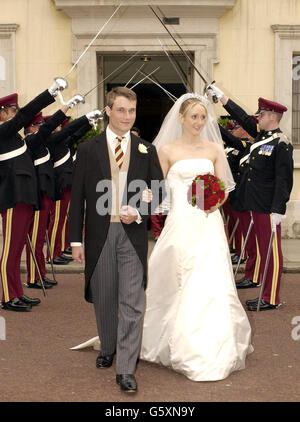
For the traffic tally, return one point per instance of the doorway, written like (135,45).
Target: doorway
(171,79)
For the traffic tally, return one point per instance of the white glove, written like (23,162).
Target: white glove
(147,195)
(276,219)
(59,84)
(75,100)
(94,115)
(212,90)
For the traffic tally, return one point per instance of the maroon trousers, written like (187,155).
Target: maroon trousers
(157,223)
(57,224)
(37,233)
(231,217)
(252,254)
(15,222)
(263,228)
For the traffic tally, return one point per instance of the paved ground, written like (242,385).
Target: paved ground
(37,365)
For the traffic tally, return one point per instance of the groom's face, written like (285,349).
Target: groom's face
(121,115)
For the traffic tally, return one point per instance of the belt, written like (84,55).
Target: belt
(14,153)
(42,160)
(62,160)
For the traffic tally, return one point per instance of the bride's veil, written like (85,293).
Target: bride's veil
(171,130)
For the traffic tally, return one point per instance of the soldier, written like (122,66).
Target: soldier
(265,185)
(240,142)
(36,134)
(63,168)
(18,192)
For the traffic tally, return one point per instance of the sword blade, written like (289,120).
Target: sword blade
(244,247)
(179,46)
(233,231)
(35,263)
(95,37)
(114,71)
(173,64)
(145,77)
(171,96)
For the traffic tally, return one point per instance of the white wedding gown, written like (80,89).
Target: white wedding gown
(194,321)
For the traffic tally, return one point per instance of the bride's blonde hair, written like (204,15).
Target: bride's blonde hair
(188,104)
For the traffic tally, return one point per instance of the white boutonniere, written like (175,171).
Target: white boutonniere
(143,149)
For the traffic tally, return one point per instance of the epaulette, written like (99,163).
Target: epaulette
(283,138)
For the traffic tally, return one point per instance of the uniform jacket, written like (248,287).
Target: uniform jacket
(267,175)
(18,181)
(57,144)
(91,166)
(36,144)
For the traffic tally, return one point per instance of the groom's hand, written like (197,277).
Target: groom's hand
(78,254)
(128,214)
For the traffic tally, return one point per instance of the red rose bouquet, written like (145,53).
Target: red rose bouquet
(206,191)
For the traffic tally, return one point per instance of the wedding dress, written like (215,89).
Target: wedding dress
(194,321)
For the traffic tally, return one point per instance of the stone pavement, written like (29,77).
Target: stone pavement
(290,249)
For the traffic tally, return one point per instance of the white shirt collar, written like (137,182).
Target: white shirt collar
(111,137)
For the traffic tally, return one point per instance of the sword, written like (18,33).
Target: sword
(145,77)
(233,231)
(84,52)
(50,255)
(182,50)
(244,245)
(171,96)
(35,263)
(270,247)
(122,64)
(95,37)
(174,66)
(132,77)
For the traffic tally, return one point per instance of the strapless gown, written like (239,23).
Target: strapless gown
(194,321)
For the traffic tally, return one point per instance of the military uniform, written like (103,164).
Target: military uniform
(18,193)
(252,255)
(63,168)
(46,186)
(264,188)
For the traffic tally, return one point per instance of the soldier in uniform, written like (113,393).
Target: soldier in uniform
(18,192)
(240,142)
(36,134)
(265,186)
(63,168)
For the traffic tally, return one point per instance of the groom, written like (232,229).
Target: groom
(107,172)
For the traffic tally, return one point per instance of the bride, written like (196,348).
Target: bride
(194,321)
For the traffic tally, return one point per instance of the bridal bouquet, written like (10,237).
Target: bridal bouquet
(206,191)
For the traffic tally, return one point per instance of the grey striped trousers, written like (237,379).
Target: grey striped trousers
(119,299)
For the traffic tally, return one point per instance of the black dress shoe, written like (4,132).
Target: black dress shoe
(33,301)
(104,361)
(59,260)
(16,305)
(37,285)
(67,257)
(127,383)
(68,251)
(264,306)
(48,281)
(235,259)
(251,301)
(245,283)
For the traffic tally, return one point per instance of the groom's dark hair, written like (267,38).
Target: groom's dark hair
(120,91)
